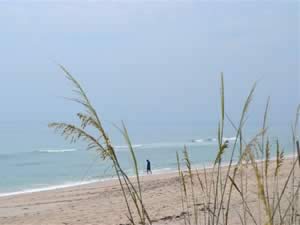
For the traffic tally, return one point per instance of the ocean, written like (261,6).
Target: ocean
(27,166)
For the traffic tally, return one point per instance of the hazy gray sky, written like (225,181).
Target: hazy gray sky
(149,63)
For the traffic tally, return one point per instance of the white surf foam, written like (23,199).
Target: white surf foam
(48,188)
(229,138)
(57,150)
(126,146)
(198,141)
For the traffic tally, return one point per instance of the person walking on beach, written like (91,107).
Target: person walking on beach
(148,167)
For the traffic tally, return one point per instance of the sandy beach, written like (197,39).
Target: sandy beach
(102,202)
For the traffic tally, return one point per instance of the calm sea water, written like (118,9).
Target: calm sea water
(38,160)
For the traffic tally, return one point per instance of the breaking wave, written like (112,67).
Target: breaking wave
(57,150)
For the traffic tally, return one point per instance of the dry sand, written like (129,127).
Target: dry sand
(102,203)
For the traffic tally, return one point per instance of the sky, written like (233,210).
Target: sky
(154,64)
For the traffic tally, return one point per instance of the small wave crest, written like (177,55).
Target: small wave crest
(126,146)
(12,155)
(57,150)
(204,140)
(210,140)
(229,138)
(198,140)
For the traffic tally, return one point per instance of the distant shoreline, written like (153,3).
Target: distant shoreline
(164,171)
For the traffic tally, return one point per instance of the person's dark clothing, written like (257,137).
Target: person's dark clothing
(148,167)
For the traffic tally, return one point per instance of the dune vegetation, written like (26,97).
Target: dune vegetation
(207,194)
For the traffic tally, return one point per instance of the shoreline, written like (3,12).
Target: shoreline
(80,183)
(102,203)
(158,172)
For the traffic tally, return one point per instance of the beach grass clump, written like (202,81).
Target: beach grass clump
(274,200)
(214,195)
(99,141)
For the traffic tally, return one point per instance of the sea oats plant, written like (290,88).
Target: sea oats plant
(275,203)
(101,143)
(207,196)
